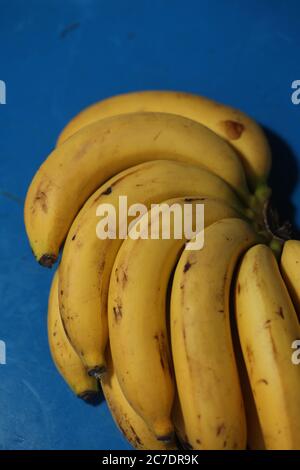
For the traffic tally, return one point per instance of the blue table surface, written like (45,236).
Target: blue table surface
(58,56)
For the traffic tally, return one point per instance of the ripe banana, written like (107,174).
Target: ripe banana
(237,128)
(128,421)
(290,269)
(205,367)
(87,261)
(75,169)
(267,325)
(137,317)
(63,354)
(255,440)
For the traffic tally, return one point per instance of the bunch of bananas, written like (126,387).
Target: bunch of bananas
(192,348)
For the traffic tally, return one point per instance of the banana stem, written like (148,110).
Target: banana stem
(266,221)
(262,193)
(276,246)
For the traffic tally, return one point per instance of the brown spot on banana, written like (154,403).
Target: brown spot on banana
(137,440)
(160,339)
(118,313)
(157,136)
(255,267)
(104,134)
(41,195)
(124,176)
(186,266)
(122,276)
(101,266)
(185,343)
(220,429)
(161,361)
(263,381)
(274,349)
(109,189)
(188,199)
(249,352)
(82,152)
(42,199)
(232,129)
(279,312)
(106,192)
(191,199)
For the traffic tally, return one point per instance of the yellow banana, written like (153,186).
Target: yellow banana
(290,269)
(137,317)
(205,367)
(128,421)
(97,152)
(240,130)
(267,325)
(255,440)
(65,358)
(87,261)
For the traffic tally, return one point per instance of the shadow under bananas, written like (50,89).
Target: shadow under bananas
(283,179)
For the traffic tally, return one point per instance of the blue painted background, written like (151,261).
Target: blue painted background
(58,56)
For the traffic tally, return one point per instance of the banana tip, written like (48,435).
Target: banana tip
(91,397)
(47,260)
(166,438)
